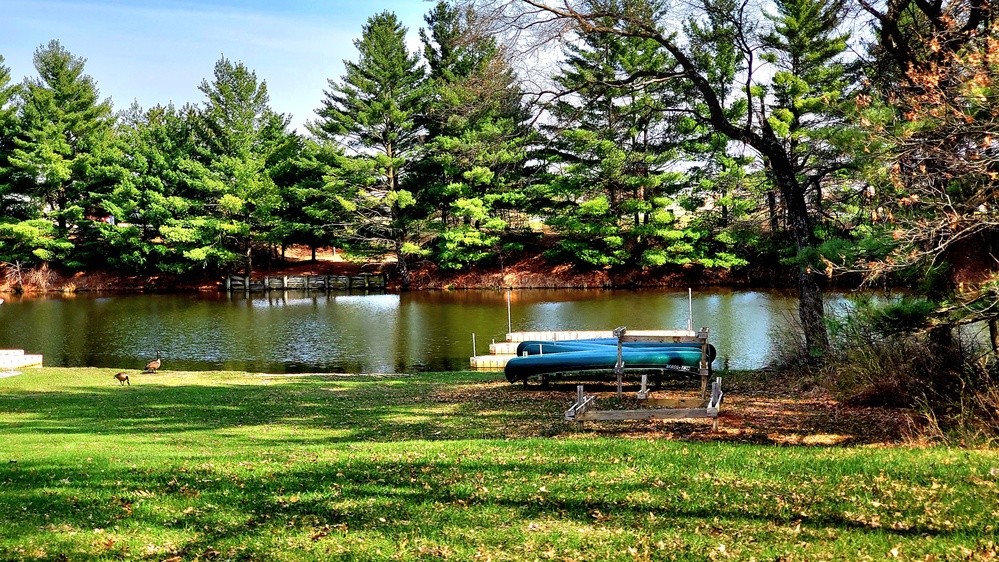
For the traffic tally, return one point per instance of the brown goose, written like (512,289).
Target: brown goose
(122,378)
(154,364)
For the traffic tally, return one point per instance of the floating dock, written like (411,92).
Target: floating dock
(501,352)
(11,359)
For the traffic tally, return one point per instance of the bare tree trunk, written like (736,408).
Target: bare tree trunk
(772,209)
(811,310)
(248,258)
(401,267)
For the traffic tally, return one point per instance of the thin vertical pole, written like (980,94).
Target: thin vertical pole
(690,310)
(473,344)
(509,318)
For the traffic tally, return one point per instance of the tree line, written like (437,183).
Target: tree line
(721,134)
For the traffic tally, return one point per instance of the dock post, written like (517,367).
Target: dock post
(619,366)
(473,344)
(509,318)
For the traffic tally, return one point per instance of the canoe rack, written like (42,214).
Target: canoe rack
(662,336)
(585,408)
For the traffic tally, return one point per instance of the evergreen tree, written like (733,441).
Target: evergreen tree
(151,195)
(616,195)
(748,114)
(314,214)
(373,112)
(64,141)
(9,206)
(471,169)
(236,135)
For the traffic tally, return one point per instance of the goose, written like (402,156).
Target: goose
(154,364)
(122,378)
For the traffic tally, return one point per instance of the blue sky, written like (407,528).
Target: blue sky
(157,52)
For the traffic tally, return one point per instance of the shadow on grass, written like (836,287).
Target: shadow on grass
(242,465)
(431,495)
(321,409)
(310,409)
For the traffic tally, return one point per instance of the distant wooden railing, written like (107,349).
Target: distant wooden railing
(363,281)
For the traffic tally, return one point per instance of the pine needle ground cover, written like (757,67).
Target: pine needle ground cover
(461,466)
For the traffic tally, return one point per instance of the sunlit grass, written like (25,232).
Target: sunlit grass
(190,466)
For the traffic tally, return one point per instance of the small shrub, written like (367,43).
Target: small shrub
(41,278)
(972,418)
(894,371)
(891,353)
(882,354)
(791,364)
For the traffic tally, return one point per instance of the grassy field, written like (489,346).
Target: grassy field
(461,466)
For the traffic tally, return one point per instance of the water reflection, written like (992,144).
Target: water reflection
(294,331)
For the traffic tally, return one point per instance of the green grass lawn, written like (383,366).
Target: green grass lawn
(220,466)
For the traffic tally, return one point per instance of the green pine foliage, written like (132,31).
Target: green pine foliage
(235,133)
(373,111)
(471,170)
(10,206)
(616,193)
(152,195)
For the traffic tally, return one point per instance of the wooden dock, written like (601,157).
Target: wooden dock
(11,359)
(322,283)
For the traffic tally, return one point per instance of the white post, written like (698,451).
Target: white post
(509,318)
(473,344)
(690,310)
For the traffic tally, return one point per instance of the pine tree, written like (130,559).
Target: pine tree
(152,195)
(373,112)
(63,125)
(314,214)
(747,114)
(236,135)
(9,206)
(63,151)
(471,169)
(617,196)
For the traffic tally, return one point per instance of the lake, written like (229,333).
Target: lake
(296,332)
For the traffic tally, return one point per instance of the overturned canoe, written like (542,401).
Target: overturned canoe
(539,347)
(675,358)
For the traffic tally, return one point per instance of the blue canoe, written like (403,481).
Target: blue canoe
(674,358)
(542,347)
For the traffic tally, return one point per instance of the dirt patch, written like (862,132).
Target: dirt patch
(750,414)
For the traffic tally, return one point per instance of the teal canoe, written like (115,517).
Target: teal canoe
(542,347)
(674,358)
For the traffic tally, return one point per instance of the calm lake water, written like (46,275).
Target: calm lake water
(372,333)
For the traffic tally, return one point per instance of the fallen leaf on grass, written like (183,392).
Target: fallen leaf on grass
(325,531)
